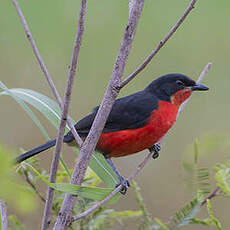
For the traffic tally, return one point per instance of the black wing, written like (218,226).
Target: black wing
(129,112)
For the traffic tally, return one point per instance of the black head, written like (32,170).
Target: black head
(166,86)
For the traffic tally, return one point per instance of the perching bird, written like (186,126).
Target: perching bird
(136,122)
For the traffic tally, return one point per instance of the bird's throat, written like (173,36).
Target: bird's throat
(179,97)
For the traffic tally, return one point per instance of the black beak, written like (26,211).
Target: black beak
(199,87)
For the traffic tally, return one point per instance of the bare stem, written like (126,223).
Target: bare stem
(3,209)
(61,130)
(43,68)
(202,75)
(65,215)
(33,186)
(160,45)
(139,167)
(210,195)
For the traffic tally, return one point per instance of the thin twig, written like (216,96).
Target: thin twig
(202,75)
(140,166)
(65,215)
(115,191)
(3,210)
(44,69)
(67,98)
(210,195)
(33,186)
(160,45)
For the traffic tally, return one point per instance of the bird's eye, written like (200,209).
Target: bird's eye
(180,83)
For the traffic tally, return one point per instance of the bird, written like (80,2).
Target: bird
(136,122)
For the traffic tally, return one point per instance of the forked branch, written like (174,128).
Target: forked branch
(140,166)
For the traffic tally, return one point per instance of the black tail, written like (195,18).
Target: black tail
(35,151)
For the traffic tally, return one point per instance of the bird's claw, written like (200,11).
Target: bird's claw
(125,185)
(155,149)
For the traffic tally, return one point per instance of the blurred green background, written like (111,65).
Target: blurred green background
(204,37)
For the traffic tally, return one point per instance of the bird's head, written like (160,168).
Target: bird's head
(175,88)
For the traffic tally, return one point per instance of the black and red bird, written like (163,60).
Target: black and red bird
(136,122)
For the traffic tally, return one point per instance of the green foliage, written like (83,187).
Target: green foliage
(146,221)
(52,112)
(197,178)
(223,177)
(105,218)
(89,192)
(160,225)
(211,221)
(18,196)
(15,224)
(185,214)
(214,220)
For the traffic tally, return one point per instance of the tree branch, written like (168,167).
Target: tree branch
(61,130)
(141,165)
(3,209)
(44,69)
(65,215)
(160,45)
(210,195)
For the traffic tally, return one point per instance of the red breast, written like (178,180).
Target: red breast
(126,142)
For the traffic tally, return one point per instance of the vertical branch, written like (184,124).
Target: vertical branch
(3,210)
(61,130)
(65,216)
(43,68)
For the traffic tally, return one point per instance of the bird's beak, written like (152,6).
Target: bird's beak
(199,87)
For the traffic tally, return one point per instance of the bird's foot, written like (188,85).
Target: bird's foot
(155,149)
(125,185)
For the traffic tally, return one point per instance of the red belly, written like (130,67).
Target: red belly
(125,142)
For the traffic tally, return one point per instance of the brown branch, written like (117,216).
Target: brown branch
(140,166)
(115,191)
(211,195)
(31,184)
(67,98)
(3,210)
(160,45)
(65,215)
(44,69)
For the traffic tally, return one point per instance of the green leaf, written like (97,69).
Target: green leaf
(140,201)
(161,225)
(34,118)
(185,214)
(222,177)
(197,178)
(52,112)
(205,222)
(94,193)
(211,215)
(125,214)
(25,107)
